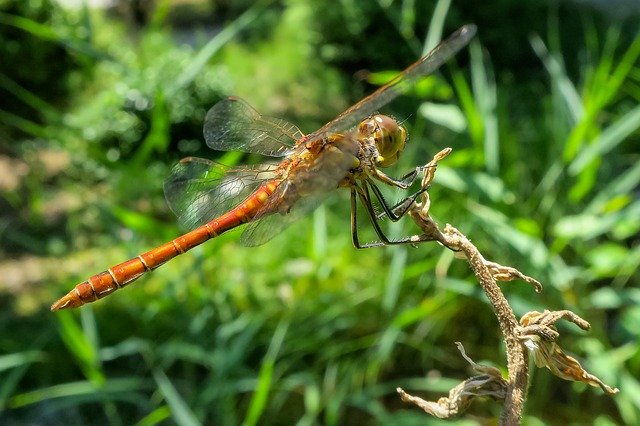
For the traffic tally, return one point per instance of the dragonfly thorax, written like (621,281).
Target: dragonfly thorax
(388,135)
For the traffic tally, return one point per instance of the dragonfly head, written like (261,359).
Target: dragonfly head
(388,135)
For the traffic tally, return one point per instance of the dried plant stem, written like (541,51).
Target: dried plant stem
(487,274)
(535,331)
(517,359)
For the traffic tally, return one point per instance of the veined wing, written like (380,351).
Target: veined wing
(200,190)
(268,224)
(304,188)
(424,66)
(232,124)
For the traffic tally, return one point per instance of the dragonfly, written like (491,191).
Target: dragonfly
(348,152)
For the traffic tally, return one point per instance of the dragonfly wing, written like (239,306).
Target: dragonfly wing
(424,66)
(199,190)
(264,227)
(232,124)
(304,188)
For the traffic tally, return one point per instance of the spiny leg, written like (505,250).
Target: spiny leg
(402,207)
(365,197)
(403,183)
(354,219)
(394,213)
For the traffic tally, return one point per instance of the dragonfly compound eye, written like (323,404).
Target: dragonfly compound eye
(390,138)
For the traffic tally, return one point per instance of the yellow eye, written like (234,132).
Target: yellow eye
(389,136)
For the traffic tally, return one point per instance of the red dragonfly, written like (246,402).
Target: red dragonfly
(212,199)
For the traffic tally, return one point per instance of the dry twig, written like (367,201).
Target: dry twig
(488,383)
(535,331)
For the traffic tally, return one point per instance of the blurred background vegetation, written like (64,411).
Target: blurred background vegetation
(97,103)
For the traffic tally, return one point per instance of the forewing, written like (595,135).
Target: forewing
(265,226)
(232,124)
(200,190)
(305,187)
(424,66)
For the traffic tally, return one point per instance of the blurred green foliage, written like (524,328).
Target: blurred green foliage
(96,106)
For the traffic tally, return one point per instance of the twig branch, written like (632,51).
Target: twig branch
(517,360)
(535,331)
(488,382)
(487,273)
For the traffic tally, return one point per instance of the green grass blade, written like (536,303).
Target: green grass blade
(626,65)
(161,11)
(112,387)
(559,79)
(446,115)
(609,139)
(158,138)
(436,25)
(81,347)
(90,329)
(618,189)
(18,364)
(485,92)
(139,222)
(46,32)
(11,361)
(156,417)
(470,108)
(602,90)
(265,377)
(29,98)
(210,49)
(181,413)
(393,282)
(27,126)
(589,226)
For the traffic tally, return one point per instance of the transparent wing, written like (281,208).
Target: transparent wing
(200,190)
(424,66)
(267,224)
(232,124)
(305,187)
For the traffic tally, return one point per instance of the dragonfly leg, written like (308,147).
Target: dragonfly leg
(403,206)
(410,177)
(354,220)
(394,213)
(403,183)
(365,197)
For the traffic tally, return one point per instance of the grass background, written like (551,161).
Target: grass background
(541,110)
